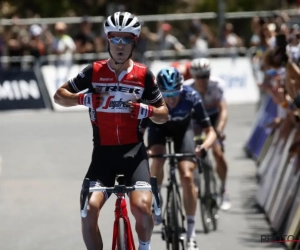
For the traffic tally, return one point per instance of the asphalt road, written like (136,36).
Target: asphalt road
(44,158)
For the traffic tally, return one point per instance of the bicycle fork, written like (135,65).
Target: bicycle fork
(121,212)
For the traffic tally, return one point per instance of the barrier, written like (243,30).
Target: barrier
(278,193)
(54,77)
(22,90)
(237,73)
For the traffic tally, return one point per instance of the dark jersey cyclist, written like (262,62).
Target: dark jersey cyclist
(114,87)
(181,101)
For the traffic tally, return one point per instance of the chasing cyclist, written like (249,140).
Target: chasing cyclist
(180,100)
(211,90)
(114,89)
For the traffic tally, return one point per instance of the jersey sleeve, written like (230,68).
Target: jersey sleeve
(151,93)
(221,86)
(83,80)
(200,114)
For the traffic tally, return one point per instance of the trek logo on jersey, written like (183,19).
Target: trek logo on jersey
(120,104)
(123,89)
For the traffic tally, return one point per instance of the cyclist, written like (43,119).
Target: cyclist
(211,90)
(114,89)
(180,100)
(183,68)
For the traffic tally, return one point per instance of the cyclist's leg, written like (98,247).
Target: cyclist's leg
(136,170)
(221,165)
(89,225)
(222,169)
(156,143)
(184,144)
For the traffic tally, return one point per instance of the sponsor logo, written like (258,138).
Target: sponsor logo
(82,75)
(93,116)
(120,104)
(130,90)
(155,92)
(105,79)
(128,81)
(192,97)
(19,90)
(142,183)
(88,100)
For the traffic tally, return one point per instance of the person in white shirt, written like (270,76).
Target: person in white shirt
(64,47)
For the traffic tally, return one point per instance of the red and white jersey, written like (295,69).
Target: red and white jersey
(112,122)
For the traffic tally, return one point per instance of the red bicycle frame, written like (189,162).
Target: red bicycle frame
(121,212)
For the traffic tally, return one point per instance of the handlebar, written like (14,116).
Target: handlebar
(178,155)
(119,189)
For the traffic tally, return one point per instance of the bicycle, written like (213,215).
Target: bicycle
(207,192)
(122,233)
(173,217)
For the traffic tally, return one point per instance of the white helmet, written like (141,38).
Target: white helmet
(200,67)
(122,22)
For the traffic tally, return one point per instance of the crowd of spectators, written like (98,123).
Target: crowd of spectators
(65,40)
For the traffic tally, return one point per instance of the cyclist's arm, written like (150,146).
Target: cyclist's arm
(203,120)
(223,116)
(67,94)
(154,98)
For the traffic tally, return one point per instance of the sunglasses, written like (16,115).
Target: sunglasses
(202,77)
(124,40)
(170,94)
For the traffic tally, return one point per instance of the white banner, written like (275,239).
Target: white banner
(237,73)
(54,77)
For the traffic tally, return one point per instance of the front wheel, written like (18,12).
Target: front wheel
(122,239)
(173,223)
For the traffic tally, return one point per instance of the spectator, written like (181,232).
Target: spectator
(166,40)
(2,41)
(36,46)
(17,41)
(85,40)
(64,47)
(142,46)
(229,38)
(198,44)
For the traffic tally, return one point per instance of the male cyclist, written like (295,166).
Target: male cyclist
(211,90)
(180,100)
(114,89)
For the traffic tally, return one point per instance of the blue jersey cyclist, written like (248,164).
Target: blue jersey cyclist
(181,102)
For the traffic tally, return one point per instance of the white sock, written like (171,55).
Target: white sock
(144,245)
(190,233)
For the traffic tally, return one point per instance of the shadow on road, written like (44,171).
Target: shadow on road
(258,226)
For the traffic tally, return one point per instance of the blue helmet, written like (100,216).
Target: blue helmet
(169,79)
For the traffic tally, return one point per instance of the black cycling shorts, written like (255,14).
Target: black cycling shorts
(183,137)
(108,161)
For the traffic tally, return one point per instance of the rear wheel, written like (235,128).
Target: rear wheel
(204,202)
(122,238)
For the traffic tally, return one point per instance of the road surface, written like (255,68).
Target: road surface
(45,155)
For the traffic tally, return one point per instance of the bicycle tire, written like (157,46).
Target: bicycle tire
(204,213)
(122,239)
(174,222)
(204,202)
(214,205)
